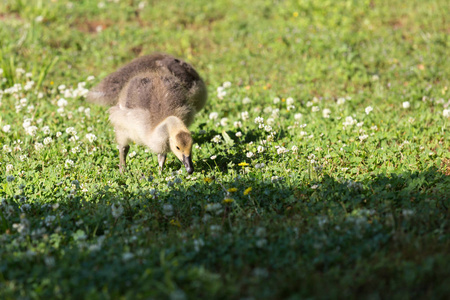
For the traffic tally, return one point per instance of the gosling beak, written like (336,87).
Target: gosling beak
(187,161)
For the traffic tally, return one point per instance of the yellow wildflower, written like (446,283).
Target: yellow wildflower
(175,223)
(295,14)
(207,179)
(232,190)
(243,164)
(247,191)
(228,200)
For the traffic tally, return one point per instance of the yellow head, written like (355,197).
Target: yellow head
(181,145)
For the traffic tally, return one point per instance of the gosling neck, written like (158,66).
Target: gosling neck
(174,125)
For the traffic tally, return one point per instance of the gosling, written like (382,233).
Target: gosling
(154,99)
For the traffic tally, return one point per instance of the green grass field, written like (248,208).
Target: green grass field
(322,156)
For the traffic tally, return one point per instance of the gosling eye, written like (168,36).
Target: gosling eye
(178,148)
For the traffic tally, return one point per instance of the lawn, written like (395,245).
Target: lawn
(322,156)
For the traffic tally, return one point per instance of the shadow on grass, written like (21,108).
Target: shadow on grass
(385,237)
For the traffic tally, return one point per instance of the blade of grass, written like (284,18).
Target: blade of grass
(44,71)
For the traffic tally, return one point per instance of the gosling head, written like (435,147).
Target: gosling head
(181,146)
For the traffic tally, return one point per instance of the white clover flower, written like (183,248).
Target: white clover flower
(276,100)
(224,122)
(290,107)
(47,140)
(26,123)
(374,127)
(7,149)
(45,129)
(22,157)
(213,116)
(91,137)
(217,139)
(303,133)
(71,131)
(294,149)
(309,104)
(246,100)
(49,220)
(69,163)
(270,121)
(368,109)
(259,120)
(20,71)
(58,134)
(290,101)
(244,115)
(29,85)
(31,130)
(132,154)
(268,128)
(250,154)
(168,209)
(38,146)
(260,149)
(90,78)
(349,121)
(315,109)
(215,208)
(446,113)
(9,168)
(407,213)
(238,124)
(406,104)
(363,137)
(75,150)
(238,134)
(226,84)
(221,92)
(62,87)
(62,102)
(213,157)
(116,211)
(6,128)
(281,149)
(274,179)
(360,124)
(267,110)
(341,101)
(73,138)
(275,112)
(326,112)
(298,116)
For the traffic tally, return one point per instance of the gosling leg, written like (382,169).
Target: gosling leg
(161,161)
(123,152)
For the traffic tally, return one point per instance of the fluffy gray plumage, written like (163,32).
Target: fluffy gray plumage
(152,98)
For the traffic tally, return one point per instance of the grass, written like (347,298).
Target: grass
(342,201)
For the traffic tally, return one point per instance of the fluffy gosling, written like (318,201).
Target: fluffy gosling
(154,99)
